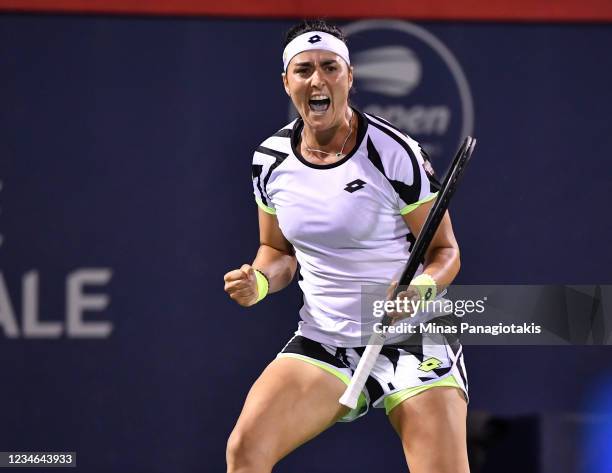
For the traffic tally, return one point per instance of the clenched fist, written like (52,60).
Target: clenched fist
(241,285)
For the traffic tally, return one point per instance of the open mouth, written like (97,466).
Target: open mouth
(319,103)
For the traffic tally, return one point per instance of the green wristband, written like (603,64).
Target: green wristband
(426,285)
(262,285)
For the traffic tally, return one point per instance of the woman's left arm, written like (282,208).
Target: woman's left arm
(442,259)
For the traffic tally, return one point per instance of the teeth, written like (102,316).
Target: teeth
(319,97)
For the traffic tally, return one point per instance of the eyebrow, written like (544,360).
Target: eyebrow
(327,62)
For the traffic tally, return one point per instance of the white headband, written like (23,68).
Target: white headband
(314,40)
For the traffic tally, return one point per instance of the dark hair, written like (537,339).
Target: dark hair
(313,25)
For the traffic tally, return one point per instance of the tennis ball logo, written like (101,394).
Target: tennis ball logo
(407,75)
(390,70)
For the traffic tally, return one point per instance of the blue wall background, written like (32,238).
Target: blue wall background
(126,143)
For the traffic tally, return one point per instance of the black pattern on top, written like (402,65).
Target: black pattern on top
(409,194)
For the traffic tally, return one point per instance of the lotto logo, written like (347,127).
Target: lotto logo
(430,364)
(354,186)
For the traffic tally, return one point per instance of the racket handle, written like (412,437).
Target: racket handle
(364,368)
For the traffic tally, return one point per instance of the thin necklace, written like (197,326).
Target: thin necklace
(339,154)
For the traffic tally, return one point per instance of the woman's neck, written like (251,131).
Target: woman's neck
(332,140)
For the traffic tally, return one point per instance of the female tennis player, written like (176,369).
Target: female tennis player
(343,193)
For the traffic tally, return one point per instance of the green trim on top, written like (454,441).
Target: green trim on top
(411,207)
(264,207)
(394,400)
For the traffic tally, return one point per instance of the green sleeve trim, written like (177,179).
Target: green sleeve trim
(411,207)
(264,207)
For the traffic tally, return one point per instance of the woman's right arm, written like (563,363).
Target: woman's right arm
(275,259)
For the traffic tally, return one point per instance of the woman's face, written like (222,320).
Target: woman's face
(318,83)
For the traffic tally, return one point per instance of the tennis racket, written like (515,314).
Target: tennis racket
(437,211)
